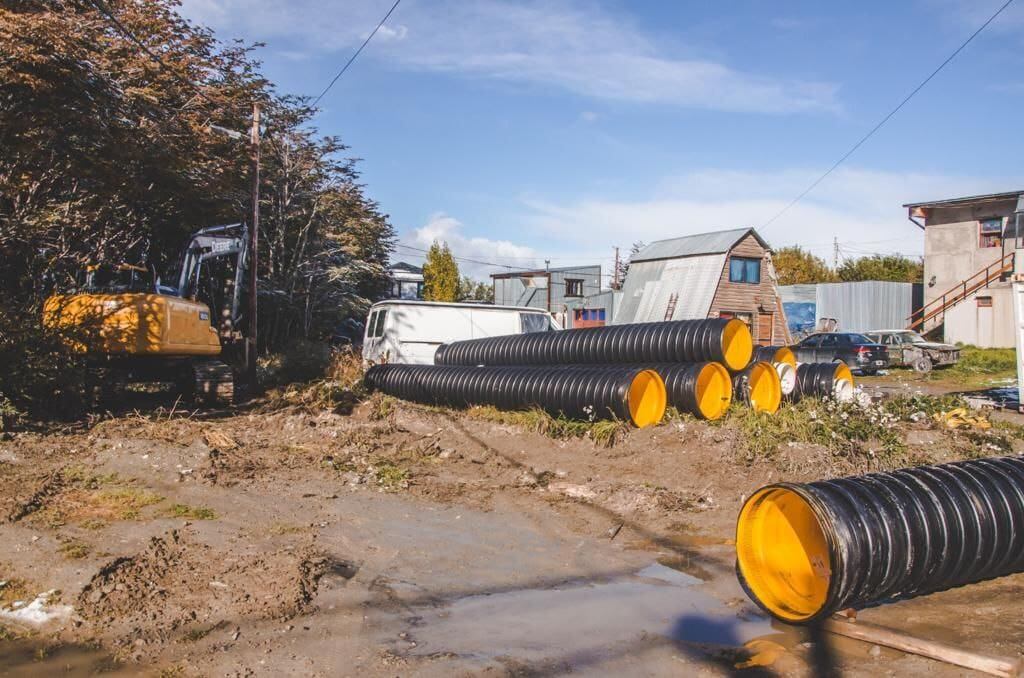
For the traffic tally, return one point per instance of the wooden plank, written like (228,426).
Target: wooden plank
(880,635)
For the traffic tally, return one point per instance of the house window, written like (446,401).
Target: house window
(573,287)
(990,232)
(748,318)
(745,270)
(984,302)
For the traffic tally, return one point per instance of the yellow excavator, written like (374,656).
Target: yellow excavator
(133,328)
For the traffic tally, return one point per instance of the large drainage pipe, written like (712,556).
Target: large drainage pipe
(759,386)
(679,341)
(824,380)
(784,360)
(701,389)
(632,394)
(805,551)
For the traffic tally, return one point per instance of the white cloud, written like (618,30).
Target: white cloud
(443,228)
(862,208)
(578,48)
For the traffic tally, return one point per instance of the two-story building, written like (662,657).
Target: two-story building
(968,257)
(406,281)
(552,289)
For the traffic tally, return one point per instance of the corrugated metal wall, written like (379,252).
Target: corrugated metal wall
(857,306)
(650,284)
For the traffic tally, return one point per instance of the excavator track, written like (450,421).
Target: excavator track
(213,382)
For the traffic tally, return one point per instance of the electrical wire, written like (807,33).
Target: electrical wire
(889,115)
(353,57)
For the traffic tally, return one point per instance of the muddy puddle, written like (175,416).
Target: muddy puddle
(36,658)
(582,623)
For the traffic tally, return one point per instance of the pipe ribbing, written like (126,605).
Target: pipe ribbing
(824,380)
(805,551)
(631,394)
(701,389)
(759,386)
(774,354)
(679,341)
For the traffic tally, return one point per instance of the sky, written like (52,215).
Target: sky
(530,133)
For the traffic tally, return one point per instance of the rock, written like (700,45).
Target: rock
(875,651)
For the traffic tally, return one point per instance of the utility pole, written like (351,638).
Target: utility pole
(254,236)
(615,273)
(835,253)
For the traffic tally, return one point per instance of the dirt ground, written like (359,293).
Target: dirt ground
(405,540)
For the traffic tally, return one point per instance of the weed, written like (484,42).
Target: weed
(604,432)
(191,512)
(980,364)
(865,437)
(12,590)
(283,528)
(81,505)
(390,476)
(75,550)
(381,406)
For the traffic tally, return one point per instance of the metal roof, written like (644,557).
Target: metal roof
(961,201)
(716,242)
(584,269)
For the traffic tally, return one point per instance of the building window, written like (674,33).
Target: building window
(573,287)
(990,232)
(745,270)
(748,318)
(984,302)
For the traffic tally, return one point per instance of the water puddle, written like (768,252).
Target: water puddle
(585,620)
(32,657)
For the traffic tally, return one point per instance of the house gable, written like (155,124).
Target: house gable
(754,301)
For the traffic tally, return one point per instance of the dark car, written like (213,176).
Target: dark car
(856,350)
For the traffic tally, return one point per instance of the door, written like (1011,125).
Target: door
(765,325)
(806,348)
(829,349)
(373,340)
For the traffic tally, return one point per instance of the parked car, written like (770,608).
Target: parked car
(409,332)
(856,350)
(909,349)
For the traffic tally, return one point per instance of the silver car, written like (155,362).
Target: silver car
(909,349)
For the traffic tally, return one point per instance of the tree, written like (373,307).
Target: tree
(890,267)
(474,290)
(440,274)
(107,156)
(796,266)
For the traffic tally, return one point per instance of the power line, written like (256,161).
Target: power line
(353,57)
(884,120)
(124,31)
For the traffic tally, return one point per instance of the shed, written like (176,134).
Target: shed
(721,274)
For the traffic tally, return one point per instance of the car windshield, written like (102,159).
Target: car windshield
(911,338)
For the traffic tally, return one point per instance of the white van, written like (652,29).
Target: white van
(409,332)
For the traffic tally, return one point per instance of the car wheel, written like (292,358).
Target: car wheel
(923,364)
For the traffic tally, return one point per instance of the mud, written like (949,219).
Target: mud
(294,542)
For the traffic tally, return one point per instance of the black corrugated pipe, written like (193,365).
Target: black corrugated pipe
(678,341)
(702,389)
(805,551)
(632,394)
(759,386)
(784,360)
(823,380)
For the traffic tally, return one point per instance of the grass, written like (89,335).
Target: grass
(98,506)
(191,512)
(12,590)
(604,432)
(390,476)
(74,549)
(979,365)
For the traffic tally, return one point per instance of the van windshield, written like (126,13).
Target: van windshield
(534,322)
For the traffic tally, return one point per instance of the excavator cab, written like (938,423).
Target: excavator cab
(133,328)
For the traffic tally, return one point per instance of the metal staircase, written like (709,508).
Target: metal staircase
(962,290)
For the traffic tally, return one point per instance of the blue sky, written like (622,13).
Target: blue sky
(525,131)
